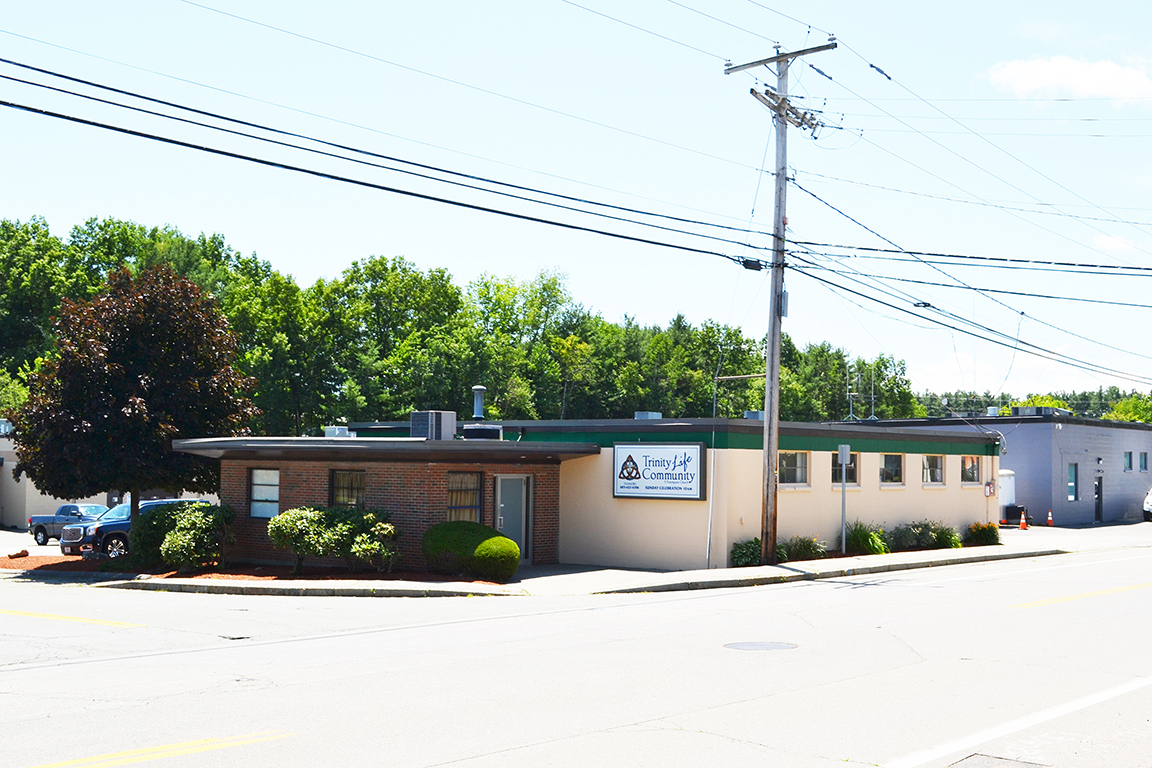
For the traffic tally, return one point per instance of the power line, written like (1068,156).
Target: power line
(376,131)
(1010,293)
(984,203)
(459,83)
(1121,269)
(344,147)
(361,183)
(1037,351)
(642,29)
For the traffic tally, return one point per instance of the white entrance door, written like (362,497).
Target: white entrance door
(513,519)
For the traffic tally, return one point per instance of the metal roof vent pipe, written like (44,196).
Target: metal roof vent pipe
(478,401)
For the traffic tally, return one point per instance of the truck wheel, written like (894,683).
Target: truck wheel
(41,537)
(116,545)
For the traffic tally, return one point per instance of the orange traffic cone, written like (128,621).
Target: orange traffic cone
(1049,517)
(1023,520)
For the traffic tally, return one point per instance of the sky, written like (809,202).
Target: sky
(1003,131)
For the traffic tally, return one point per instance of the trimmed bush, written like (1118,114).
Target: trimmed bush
(200,537)
(865,539)
(473,549)
(746,553)
(800,548)
(359,536)
(302,530)
(982,534)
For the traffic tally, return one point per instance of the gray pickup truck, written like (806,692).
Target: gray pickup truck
(46,527)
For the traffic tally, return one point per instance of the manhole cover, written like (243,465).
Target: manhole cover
(761,646)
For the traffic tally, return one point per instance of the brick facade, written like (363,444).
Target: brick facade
(415,495)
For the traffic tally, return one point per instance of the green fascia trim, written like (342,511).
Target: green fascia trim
(608,439)
(813,443)
(740,440)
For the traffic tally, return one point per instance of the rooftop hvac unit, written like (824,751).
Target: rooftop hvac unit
(648,415)
(754,415)
(433,425)
(338,432)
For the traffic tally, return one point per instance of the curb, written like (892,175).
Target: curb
(209,586)
(765,576)
(799,574)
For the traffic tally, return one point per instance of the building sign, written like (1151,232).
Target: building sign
(654,471)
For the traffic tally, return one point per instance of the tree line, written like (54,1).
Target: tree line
(386,338)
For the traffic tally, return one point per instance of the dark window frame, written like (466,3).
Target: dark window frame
(347,494)
(253,499)
(853,468)
(465,492)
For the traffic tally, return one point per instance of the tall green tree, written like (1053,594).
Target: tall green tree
(147,361)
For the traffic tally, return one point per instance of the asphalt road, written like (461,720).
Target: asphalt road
(1043,661)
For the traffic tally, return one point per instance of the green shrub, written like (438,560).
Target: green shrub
(465,547)
(865,539)
(746,553)
(303,530)
(924,534)
(982,534)
(946,537)
(361,537)
(200,537)
(149,530)
(800,548)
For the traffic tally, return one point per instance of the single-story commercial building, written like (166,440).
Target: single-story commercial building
(1083,470)
(644,493)
(21,499)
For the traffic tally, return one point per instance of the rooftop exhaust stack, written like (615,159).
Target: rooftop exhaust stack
(478,401)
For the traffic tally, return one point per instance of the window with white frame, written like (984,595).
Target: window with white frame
(838,469)
(892,469)
(793,467)
(1143,461)
(1127,461)
(933,470)
(969,469)
(1073,482)
(264,493)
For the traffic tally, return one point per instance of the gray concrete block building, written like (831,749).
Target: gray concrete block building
(1083,470)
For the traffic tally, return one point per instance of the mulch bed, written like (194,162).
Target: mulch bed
(238,572)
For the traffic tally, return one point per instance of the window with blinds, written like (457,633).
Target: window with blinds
(464,492)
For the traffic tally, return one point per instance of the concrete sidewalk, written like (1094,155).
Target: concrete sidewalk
(591,580)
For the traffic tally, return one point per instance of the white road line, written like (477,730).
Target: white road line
(980,737)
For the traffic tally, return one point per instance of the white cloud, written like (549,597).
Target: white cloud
(1113,244)
(1063,76)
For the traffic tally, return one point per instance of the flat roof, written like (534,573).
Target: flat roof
(748,434)
(403,449)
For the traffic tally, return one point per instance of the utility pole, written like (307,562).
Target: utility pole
(785,114)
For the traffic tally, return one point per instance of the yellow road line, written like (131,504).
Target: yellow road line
(167,750)
(70,618)
(1083,596)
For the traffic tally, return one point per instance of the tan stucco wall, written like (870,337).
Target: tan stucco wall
(20,500)
(597,529)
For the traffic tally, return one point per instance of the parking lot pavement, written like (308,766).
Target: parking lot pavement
(13,541)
